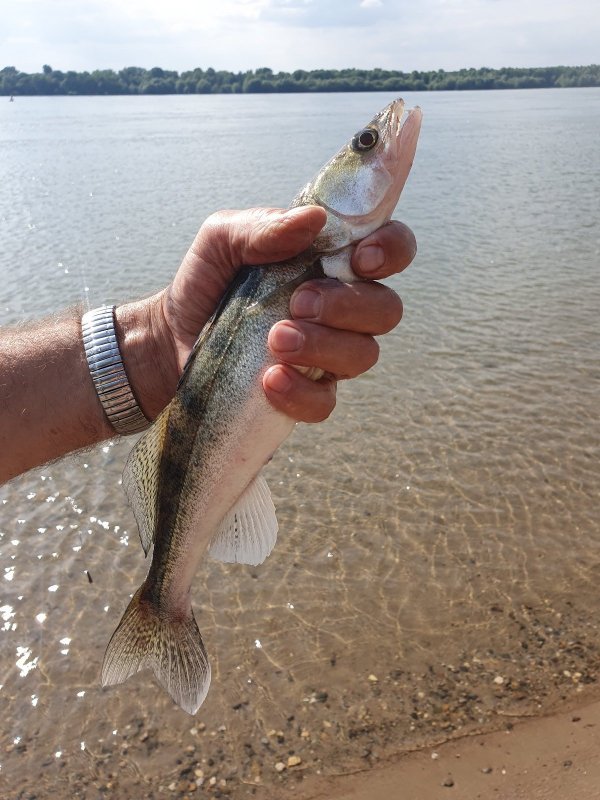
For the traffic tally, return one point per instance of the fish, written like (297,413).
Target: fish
(194,479)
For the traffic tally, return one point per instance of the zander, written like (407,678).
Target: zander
(193,480)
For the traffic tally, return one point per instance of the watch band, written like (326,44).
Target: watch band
(108,373)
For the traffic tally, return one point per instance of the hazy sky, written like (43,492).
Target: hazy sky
(297,34)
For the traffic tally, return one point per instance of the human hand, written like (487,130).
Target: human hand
(334,323)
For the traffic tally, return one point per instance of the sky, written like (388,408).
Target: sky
(297,34)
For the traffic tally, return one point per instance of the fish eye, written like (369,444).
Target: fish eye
(365,139)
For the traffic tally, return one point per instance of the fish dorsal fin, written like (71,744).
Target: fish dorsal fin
(248,531)
(141,477)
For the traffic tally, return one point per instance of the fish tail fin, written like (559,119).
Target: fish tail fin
(171,646)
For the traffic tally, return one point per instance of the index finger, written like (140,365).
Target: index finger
(386,251)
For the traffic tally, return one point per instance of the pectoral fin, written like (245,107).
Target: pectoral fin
(141,475)
(248,532)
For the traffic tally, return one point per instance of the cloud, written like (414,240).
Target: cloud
(293,34)
(332,14)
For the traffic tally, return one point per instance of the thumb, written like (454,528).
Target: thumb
(230,239)
(226,241)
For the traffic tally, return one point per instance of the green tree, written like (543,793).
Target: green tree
(135,80)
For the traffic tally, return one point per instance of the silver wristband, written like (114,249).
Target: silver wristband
(108,373)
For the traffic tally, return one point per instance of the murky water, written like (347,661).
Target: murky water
(439,553)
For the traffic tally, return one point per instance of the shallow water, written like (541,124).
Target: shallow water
(438,559)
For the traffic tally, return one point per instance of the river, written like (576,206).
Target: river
(438,561)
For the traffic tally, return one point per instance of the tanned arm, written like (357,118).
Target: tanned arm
(48,402)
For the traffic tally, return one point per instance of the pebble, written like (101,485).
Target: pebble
(293,761)
(373,678)
(499,680)
(448,782)
(280,766)
(486,770)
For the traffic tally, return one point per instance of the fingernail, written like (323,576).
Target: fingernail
(370,258)
(286,339)
(278,380)
(306,303)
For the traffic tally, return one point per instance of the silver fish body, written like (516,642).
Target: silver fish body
(193,479)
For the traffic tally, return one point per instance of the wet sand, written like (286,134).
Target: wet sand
(543,758)
(551,758)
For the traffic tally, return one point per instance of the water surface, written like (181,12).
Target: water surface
(438,561)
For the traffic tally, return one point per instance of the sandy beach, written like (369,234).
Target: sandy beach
(549,758)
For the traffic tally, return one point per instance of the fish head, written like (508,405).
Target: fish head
(360,186)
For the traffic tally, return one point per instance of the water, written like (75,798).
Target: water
(439,552)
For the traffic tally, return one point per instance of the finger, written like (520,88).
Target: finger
(388,250)
(361,307)
(297,396)
(345,354)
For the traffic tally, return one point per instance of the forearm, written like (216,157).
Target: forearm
(48,403)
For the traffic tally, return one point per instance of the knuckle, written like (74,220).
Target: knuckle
(325,403)
(371,353)
(361,358)
(391,311)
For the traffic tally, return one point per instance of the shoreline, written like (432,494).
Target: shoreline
(543,758)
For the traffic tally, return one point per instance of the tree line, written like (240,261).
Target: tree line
(136,80)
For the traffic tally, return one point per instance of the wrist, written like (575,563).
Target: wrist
(148,353)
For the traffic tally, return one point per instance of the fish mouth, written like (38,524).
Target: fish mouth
(400,129)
